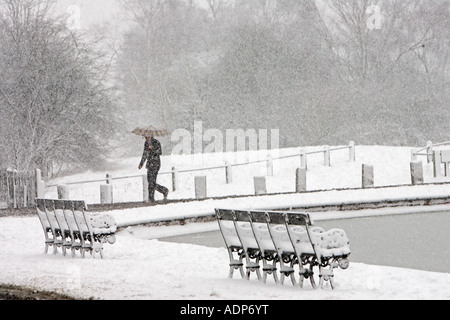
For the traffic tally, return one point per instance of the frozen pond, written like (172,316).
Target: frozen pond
(415,241)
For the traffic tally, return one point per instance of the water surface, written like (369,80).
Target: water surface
(415,241)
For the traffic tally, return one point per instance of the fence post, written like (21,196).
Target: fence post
(63,192)
(109,181)
(437,164)
(303,162)
(174,179)
(326,160)
(200,187)
(144,188)
(429,151)
(416,172)
(300,180)
(352,151)
(367,176)
(106,195)
(260,185)
(228,173)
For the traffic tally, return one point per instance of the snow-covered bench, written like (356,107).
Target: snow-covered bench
(286,239)
(66,225)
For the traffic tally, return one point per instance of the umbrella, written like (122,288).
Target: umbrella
(150,131)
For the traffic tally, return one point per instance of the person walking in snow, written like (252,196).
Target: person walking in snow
(151,154)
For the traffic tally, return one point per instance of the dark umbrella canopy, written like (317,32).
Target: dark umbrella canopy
(150,131)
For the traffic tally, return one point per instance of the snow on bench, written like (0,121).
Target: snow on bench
(286,239)
(67,226)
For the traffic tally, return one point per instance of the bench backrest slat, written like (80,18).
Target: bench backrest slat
(40,207)
(227,228)
(78,212)
(50,211)
(298,219)
(276,223)
(59,213)
(225,215)
(244,230)
(261,231)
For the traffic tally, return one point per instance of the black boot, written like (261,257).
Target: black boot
(151,198)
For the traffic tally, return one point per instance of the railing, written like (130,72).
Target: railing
(429,151)
(433,156)
(303,154)
(303,163)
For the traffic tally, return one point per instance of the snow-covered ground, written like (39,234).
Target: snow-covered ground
(391,167)
(134,268)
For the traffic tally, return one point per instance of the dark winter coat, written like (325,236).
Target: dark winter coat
(151,156)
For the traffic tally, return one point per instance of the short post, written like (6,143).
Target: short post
(63,192)
(429,151)
(303,162)
(200,187)
(437,164)
(260,185)
(416,172)
(228,173)
(108,179)
(326,155)
(174,179)
(352,151)
(106,194)
(145,188)
(269,166)
(300,180)
(367,176)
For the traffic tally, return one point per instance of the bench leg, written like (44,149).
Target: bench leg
(269,269)
(290,275)
(46,248)
(252,266)
(236,266)
(307,274)
(326,275)
(99,251)
(287,271)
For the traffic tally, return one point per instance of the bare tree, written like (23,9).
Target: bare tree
(54,102)
(156,75)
